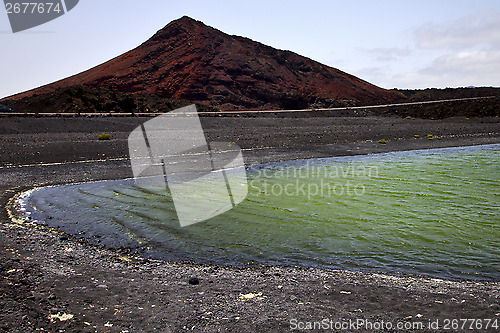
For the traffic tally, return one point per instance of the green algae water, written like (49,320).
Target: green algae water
(431,212)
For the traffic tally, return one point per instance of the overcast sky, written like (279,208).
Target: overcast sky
(402,44)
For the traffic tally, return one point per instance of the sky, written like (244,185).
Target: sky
(393,44)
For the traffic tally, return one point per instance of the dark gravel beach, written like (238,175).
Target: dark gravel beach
(52,282)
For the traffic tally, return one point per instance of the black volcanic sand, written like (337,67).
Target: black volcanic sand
(52,281)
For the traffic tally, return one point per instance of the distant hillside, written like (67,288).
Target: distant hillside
(484,107)
(188,60)
(433,94)
(78,99)
(83,99)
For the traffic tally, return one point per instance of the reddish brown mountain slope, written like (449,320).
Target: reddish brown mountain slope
(189,60)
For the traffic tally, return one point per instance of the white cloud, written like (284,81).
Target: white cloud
(461,69)
(475,62)
(459,53)
(481,28)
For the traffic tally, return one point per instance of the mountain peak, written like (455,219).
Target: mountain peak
(185,21)
(182,25)
(192,61)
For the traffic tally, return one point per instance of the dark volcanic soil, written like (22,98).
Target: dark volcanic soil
(50,281)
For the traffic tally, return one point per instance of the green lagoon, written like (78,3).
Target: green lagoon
(431,212)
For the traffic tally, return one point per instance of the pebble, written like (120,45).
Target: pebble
(194,281)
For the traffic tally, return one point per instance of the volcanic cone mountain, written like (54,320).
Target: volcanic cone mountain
(191,61)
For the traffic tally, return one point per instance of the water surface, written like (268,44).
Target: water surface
(432,212)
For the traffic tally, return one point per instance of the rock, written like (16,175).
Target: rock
(194,281)
(253,295)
